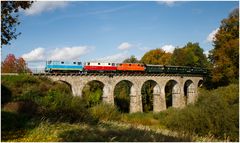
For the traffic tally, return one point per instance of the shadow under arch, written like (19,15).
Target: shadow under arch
(147,90)
(122,91)
(172,90)
(200,83)
(92,92)
(188,91)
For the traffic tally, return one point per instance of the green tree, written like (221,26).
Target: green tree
(92,93)
(132,59)
(122,97)
(225,55)
(9,19)
(156,57)
(147,96)
(189,55)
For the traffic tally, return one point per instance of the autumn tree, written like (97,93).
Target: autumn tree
(189,55)
(225,55)
(156,57)
(9,19)
(132,59)
(13,65)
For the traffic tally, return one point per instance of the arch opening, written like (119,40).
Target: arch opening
(171,90)
(147,91)
(188,91)
(64,86)
(122,92)
(92,93)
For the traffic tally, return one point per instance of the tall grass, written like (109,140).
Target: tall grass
(105,112)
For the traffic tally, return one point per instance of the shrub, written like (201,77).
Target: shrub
(105,112)
(215,113)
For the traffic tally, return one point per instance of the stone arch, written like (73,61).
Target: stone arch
(189,92)
(122,92)
(94,92)
(149,88)
(68,85)
(172,94)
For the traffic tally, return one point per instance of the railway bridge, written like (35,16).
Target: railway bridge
(184,88)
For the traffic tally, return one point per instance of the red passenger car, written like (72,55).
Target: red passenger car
(99,67)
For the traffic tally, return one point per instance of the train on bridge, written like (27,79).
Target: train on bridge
(100,67)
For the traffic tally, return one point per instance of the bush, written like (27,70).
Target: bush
(44,99)
(216,113)
(105,112)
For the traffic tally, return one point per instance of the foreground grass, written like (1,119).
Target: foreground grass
(104,131)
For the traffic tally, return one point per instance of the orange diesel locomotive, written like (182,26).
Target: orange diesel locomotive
(131,67)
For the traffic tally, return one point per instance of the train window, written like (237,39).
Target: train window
(49,62)
(79,63)
(62,62)
(113,64)
(74,62)
(129,64)
(98,63)
(109,64)
(120,64)
(88,63)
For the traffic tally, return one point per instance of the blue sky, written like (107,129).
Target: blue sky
(113,31)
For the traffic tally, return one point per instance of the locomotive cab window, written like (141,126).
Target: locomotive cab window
(109,64)
(79,63)
(74,62)
(62,62)
(98,63)
(88,63)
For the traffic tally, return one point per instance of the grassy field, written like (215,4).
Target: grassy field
(37,109)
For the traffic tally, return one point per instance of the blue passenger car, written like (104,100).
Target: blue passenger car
(63,66)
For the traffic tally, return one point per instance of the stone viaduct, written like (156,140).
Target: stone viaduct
(182,86)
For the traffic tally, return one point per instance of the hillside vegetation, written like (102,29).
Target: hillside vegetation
(37,109)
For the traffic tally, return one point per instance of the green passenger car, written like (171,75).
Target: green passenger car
(156,69)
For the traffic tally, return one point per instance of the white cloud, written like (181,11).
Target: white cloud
(65,53)
(167,2)
(211,36)
(68,53)
(116,58)
(37,54)
(168,48)
(124,46)
(43,6)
